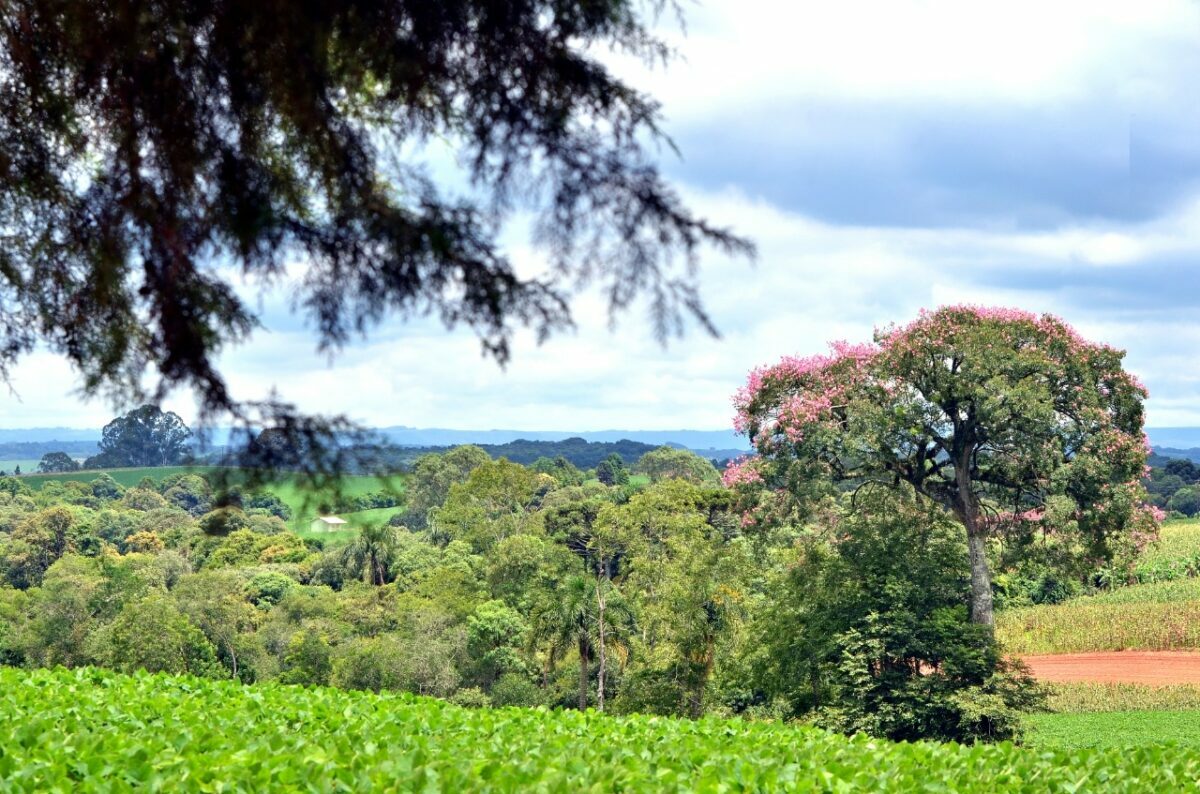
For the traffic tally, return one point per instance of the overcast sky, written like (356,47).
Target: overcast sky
(885,157)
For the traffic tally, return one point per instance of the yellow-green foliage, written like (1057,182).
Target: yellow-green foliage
(1092,624)
(1161,616)
(1080,697)
(303,503)
(88,730)
(1175,555)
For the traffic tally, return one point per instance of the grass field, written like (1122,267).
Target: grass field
(1118,729)
(87,730)
(303,504)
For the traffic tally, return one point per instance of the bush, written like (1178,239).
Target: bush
(513,689)
(868,631)
(268,588)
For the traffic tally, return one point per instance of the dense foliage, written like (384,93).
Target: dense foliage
(869,631)
(146,436)
(88,730)
(1010,420)
(495,583)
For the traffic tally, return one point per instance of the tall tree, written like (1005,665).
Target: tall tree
(999,415)
(145,436)
(372,552)
(147,151)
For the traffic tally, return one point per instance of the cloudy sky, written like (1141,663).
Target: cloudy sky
(885,157)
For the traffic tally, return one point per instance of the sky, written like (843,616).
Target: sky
(884,157)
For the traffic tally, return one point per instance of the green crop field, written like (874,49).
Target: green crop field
(1115,730)
(1098,623)
(88,730)
(1085,697)
(27,465)
(1162,615)
(1175,555)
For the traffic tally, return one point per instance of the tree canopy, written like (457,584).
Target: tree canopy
(150,152)
(145,436)
(53,462)
(1006,418)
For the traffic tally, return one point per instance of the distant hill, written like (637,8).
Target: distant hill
(1162,454)
(34,450)
(1174,437)
(443,437)
(582,453)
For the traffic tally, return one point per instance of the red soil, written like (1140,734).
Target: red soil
(1155,668)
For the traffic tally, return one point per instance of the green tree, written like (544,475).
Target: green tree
(1000,416)
(690,581)
(189,492)
(1186,500)
(214,602)
(145,436)
(494,502)
(612,471)
(866,629)
(54,462)
(496,633)
(105,488)
(564,619)
(34,545)
(370,555)
(562,470)
(153,635)
(432,477)
(682,464)
(309,660)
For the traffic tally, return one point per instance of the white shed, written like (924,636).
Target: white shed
(326,524)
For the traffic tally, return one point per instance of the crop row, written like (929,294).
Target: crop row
(1092,697)
(1093,624)
(88,730)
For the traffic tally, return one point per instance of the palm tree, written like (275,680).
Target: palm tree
(372,552)
(565,618)
(577,614)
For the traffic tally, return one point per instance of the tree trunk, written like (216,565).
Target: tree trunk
(583,672)
(969,514)
(696,704)
(601,602)
(981,578)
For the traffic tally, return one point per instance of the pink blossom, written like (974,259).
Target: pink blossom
(741,471)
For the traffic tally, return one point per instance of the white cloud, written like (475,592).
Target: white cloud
(735,54)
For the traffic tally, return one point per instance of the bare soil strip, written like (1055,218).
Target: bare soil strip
(1155,668)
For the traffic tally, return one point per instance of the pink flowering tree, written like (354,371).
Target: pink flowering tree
(998,415)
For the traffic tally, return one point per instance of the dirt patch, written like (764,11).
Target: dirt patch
(1154,668)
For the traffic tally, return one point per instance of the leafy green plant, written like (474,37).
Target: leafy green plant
(90,730)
